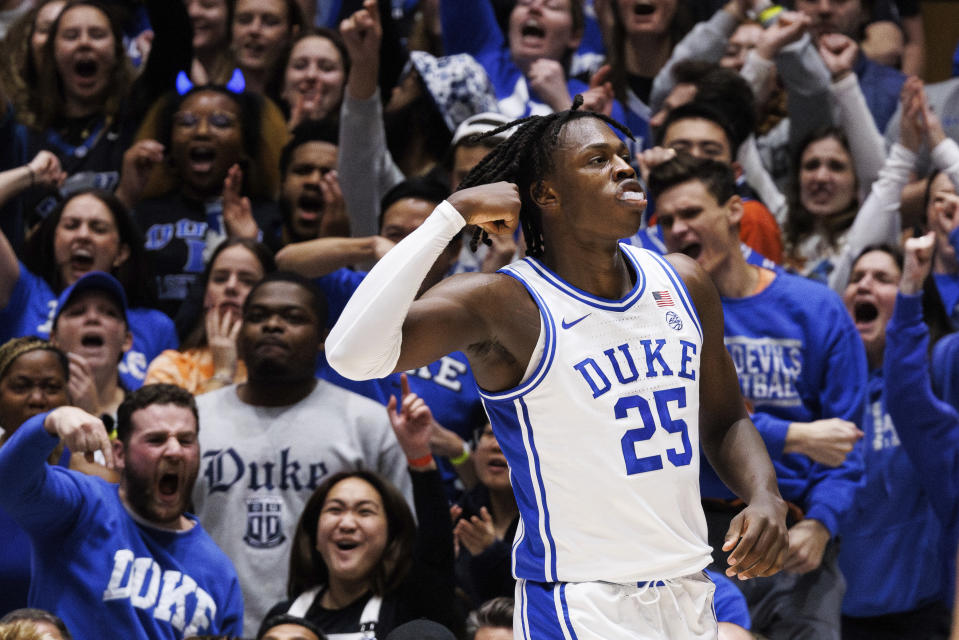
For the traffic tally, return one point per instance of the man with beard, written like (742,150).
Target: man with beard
(272,440)
(126,559)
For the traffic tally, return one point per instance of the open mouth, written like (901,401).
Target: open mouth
(692,250)
(81,261)
(230,307)
(346,545)
(168,485)
(254,50)
(310,206)
(92,340)
(201,158)
(86,68)
(532,29)
(643,9)
(865,312)
(498,464)
(633,196)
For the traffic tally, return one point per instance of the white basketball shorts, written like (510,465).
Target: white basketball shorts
(676,609)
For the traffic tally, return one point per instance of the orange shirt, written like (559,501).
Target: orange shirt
(191,369)
(760,231)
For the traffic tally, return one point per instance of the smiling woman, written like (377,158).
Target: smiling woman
(358,558)
(315,76)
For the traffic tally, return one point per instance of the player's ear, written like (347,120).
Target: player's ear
(543,194)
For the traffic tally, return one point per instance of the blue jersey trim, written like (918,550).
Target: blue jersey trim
(683,292)
(533,544)
(545,611)
(567,623)
(549,348)
(524,612)
(549,546)
(587,298)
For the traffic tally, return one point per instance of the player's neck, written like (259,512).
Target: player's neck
(603,273)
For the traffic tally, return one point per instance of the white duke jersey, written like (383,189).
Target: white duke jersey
(602,438)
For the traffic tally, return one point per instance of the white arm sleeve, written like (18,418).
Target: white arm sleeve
(366,341)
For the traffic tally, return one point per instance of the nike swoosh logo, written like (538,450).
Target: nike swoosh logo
(569,325)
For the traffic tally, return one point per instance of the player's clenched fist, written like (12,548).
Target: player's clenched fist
(492,207)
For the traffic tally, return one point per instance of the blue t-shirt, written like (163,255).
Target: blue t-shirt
(33,304)
(98,567)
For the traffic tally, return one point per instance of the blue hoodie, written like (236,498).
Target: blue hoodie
(928,427)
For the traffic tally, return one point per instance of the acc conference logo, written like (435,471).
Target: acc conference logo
(674,321)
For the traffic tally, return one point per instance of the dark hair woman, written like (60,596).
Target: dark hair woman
(359,561)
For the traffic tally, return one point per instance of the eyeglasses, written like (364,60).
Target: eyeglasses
(217,120)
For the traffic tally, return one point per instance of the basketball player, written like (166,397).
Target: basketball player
(602,368)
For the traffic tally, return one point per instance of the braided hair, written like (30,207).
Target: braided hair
(525,158)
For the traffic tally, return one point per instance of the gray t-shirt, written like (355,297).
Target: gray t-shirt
(260,465)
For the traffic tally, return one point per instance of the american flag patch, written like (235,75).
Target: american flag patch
(662,298)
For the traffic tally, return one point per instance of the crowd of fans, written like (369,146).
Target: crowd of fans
(190,193)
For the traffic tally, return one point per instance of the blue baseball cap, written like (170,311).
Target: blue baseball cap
(93,281)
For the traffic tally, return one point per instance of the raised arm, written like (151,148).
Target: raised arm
(366,168)
(38,497)
(382,330)
(757,535)
(927,426)
(470,27)
(706,41)
(43,170)
(879,220)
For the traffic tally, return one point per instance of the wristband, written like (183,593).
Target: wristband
(419,463)
(462,457)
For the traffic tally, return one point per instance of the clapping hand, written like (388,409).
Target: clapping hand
(237,210)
